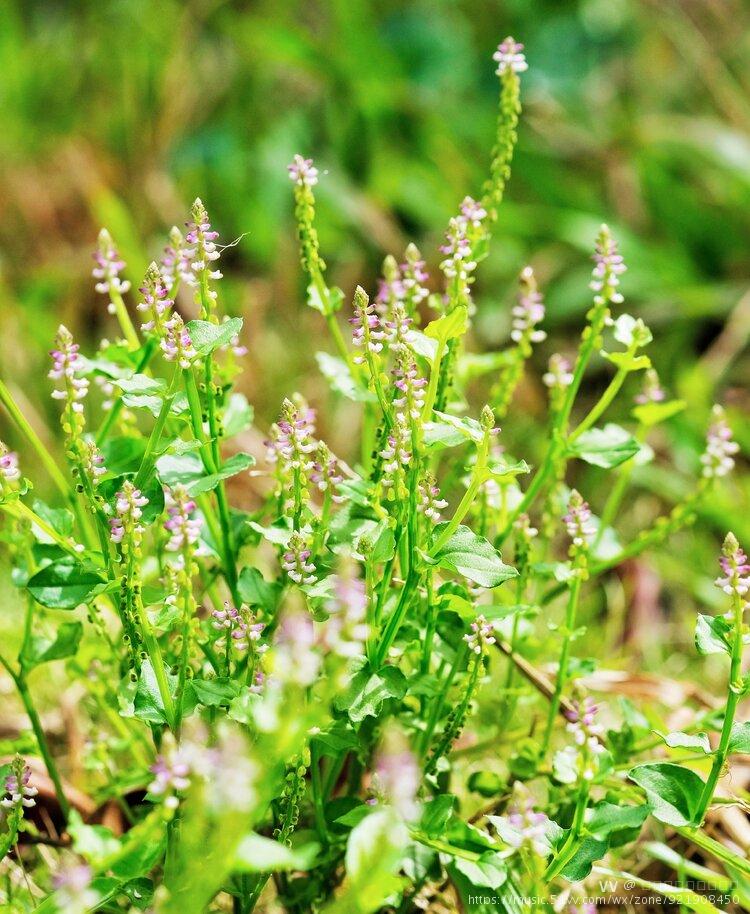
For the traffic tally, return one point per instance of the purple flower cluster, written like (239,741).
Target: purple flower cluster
(718,459)
(523,826)
(578,521)
(397,455)
(18,789)
(241,628)
(125,526)
(529,311)
(176,344)
(65,363)
(170,259)
(9,469)
(345,631)
(403,283)
(652,391)
(735,568)
(481,634)
(409,384)
(509,57)
(608,267)
(302,171)
(459,262)
(296,560)
(92,461)
(294,440)
(108,267)
(73,892)
(430,503)
(200,250)
(325,473)
(398,777)
(367,330)
(171,777)
(156,303)
(587,733)
(184,530)
(559,374)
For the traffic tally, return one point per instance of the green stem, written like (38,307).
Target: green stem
(34,440)
(16,508)
(317,792)
(388,636)
(601,405)
(147,464)
(562,668)
(123,318)
(735,691)
(432,387)
(567,851)
(19,679)
(116,408)
(468,499)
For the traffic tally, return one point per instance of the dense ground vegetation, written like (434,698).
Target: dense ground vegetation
(384,680)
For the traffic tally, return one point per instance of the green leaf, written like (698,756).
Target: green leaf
(679,740)
(474,557)
(589,851)
(238,415)
(148,704)
(449,326)
(673,792)
(605,447)
(607,818)
(373,855)
(207,336)
(95,843)
(367,691)
(628,361)
(331,305)
(650,414)
(123,454)
(340,379)
(213,693)
(43,650)
(64,584)
(421,344)
(739,739)
(60,519)
(256,854)
(469,429)
(256,591)
(187,470)
(711,635)
(487,872)
(339,737)
(142,392)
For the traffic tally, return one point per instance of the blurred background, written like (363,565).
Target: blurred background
(636,112)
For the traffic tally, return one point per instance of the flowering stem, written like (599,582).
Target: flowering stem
(562,668)
(469,496)
(116,408)
(393,624)
(317,793)
(566,852)
(123,318)
(735,691)
(19,680)
(147,464)
(230,568)
(34,440)
(601,405)
(18,508)
(429,400)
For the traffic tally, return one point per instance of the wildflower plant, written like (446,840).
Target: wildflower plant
(291,696)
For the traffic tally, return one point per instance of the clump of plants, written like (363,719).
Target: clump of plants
(281,701)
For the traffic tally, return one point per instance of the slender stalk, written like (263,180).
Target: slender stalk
(562,668)
(147,463)
(19,680)
(567,851)
(114,411)
(123,319)
(35,441)
(18,509)
(735,691)
(601,405)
